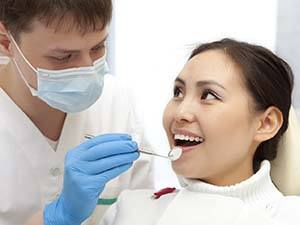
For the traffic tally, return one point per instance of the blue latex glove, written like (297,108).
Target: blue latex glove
(88,168)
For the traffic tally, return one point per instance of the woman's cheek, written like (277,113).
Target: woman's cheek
(167,117)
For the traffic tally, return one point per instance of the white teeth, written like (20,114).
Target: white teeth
(187,138)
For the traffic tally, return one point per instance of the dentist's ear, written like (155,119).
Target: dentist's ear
(5,43)
(269,124)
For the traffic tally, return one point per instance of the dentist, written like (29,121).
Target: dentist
(54,90)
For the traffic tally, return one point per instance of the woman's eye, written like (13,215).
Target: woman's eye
(209,95)
(177,92)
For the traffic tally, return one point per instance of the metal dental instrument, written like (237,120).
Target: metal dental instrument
(148,151)
(142,150)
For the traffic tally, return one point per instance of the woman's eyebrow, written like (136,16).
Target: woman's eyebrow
(179,80)
(209,82)
(202,83)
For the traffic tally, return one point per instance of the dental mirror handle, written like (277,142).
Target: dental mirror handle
(151,153)
(141,149)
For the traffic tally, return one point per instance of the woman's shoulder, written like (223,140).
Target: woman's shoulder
(137,207)
(287,210)
(142,199)
(141,194)
(289,201)
(146,197)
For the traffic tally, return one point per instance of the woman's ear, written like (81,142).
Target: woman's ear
(4,41)
(269,124)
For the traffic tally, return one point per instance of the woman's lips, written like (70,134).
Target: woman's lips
(188,148)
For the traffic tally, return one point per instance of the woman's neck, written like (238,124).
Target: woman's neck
(257,189)
(233,175)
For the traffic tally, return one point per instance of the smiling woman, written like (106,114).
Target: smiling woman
(219,78)
(229,110)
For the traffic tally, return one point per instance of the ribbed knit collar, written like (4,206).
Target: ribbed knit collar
(256,190)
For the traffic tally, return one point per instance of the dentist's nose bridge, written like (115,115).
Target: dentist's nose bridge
(86,60)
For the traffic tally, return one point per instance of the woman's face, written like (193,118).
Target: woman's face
(210,118)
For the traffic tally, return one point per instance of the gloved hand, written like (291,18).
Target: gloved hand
(88,168)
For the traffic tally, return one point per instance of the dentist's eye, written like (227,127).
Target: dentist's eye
(62,58)
(209,95)
(99,48)
(177,93)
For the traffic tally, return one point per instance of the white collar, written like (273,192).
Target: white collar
(258,189)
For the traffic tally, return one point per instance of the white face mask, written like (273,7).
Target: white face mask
(69,90)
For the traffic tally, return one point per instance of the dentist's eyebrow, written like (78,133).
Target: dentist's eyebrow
(61,50)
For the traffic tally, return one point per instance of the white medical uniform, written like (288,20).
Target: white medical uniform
(31,171)
(255,201)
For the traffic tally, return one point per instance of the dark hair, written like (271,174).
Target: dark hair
(18,15)
(269,80)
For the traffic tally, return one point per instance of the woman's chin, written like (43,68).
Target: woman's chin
(182,170)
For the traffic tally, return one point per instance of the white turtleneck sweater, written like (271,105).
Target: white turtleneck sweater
(255,201)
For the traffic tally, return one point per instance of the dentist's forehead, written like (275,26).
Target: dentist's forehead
(44,37)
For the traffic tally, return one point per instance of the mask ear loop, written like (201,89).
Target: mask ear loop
(32,90)
(19,50)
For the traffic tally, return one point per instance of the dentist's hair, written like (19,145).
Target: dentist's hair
(18,15)
(268,79)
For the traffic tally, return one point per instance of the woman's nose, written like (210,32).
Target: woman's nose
(184,112)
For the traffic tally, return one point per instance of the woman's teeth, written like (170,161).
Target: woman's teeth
(183,140)
(188,138)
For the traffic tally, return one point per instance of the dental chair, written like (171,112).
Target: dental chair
(285,169)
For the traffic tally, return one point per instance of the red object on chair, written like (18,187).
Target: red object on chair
(163,191)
